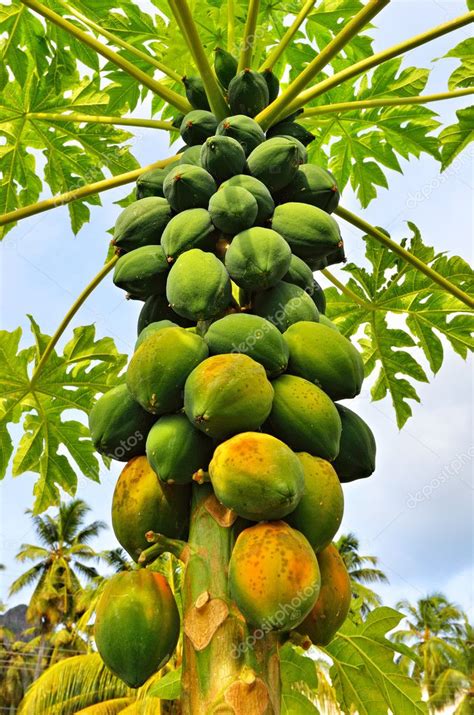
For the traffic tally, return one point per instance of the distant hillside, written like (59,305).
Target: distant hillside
(15,619)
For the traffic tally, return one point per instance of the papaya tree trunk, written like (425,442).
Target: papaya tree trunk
(227,668)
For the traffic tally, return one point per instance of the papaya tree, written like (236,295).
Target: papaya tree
(228,415)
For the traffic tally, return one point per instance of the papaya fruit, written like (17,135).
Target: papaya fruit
(300,274)
(257,258)
(177,120)
(291,129)
(257,476)
(247,93)
(225,66)
(318,514)
(188,229)
(356,458)
(142,272)
(319,298)
(191,155)
(251,335)
(243,129)
(142,503)
(275,162)
(227,394)
(137,625)
(332,606)
(189,187)
(150,183)
(334,256)
(325,357)
(233,209)
(196,93)
(324,320)
(302,151)
(153,328)
(158,369)
(273,576)
(310,231)
(304,417)
(313,185)
(273,84)
(285,304)
(197,126)
(176,450)
(198,286)
(119,425)
(141,223)
(157,308)
(222,157)
(259,191)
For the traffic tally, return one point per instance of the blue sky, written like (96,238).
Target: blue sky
(424,543)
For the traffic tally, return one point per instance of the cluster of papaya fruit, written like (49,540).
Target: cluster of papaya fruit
(236,377)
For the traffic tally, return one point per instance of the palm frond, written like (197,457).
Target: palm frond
(448,686)
(368,575)
(117,558)
(46,529)
(26,579)
(109,707)
(30,552)
(91,531)
(70,518)
(88,571)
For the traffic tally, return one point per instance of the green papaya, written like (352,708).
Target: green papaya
(356,458)
(324,320)
(157,308)
(177,120)
(141,223)
(227,394)
(197,126)
(291,129)
(248,93)
(275,162)
(257,258)
(233,209)
(319,298)
(196,93)
(158,369)
(189,187)
(176,449)
(313,185)
(191,155)
(285,304)
(119,425)
(225,66)
(257,476)
(222,157)
(142,503)
(304,417)
(243,129)
(318,514)
(310,231)
(142,272)
(189,229)
(300,274)
(251,335)
(273,576)
(325,357)
(150,183)
(137,625)
(273,84)
(336,256)
(198,286)
(259,191)
(153,328)
(302,151)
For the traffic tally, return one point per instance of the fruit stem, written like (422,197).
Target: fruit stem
(271,113)
(69,316)
(374,60)
(162,545)
(382,238)
(118,42)
(168,95)
(248,39)
(279,49)
(387,102)
(230,26)
(99,119)
(347,291)
(82,191)
(214,93)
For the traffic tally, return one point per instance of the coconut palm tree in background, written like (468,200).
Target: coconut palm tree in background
(362,570)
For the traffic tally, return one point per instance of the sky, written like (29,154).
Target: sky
(416,512)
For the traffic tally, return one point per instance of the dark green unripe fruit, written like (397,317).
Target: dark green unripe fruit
(189,187)
(248,93)
(195,93)
(225,66)
(275,162)
(291,129)
(233,209)
(150,183)
(222,157)
(302,152)
(176,450)
(191,155)
(300,274)
(141,223)
(252,335)
(259,191)
(319,297)
(177,120)
(118,425)
(198,286)
(197,126)
(189,229)
(356,458)
(310,231)
(273,84)
(284,305)
(157,308)
(153,328)
(244,129)
(142,272)
(257,258)
(312,185)
(334,256)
